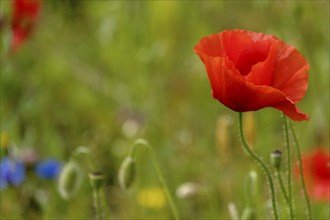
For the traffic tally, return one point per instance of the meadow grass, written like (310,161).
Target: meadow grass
(104,73)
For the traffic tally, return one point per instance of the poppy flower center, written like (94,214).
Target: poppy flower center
(248,59)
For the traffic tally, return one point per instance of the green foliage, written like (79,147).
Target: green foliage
(103,73)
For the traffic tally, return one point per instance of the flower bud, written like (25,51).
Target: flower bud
(96,179)
(70,179)
(126,174)
(276,158)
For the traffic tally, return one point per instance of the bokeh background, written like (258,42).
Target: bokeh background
(104,73)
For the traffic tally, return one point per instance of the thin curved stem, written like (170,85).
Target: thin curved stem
(143,142)
(309,210)
(82,150)
(278,174)
(162,180)
(262,164)
(287,143)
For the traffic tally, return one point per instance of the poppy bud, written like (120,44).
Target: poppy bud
(70,179)
(126,174)
(96,179)
(276,158)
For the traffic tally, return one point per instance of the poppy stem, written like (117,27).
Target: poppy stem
(278,174)
(309,210)
(159,173)
(261,163)
(289,155)
(82,150)
(97,204)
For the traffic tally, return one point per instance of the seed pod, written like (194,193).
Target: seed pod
(96,179)
(70,179)
(126,174)
(276,158)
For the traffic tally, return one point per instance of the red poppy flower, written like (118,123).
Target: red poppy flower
(249,71)
(316,169)
(25,13)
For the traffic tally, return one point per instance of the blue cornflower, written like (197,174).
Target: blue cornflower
(12,172)
(48,169)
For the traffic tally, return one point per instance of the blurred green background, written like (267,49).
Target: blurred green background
(103,73)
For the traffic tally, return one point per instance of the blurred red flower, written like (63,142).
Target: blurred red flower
(24,17)
(316,169)
(249,71)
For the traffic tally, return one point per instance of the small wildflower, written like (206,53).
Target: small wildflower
(12,172)
(48,169)
(153,198)
(317,174)
(25,14)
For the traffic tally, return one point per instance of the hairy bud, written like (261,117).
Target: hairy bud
(126,174)
(69,180)
(96,179)
(276,159)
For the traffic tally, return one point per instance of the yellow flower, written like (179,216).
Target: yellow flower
(153,198)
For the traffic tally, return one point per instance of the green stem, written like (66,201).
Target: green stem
(309,210)
(278,174)
(97,204)
(162,180)
(261,163)
(159,173)
(84,151)
(287,143)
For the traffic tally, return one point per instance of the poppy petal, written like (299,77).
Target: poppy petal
(289,108)
(290,72)
(235,92)
(261,73)
(245,48)
(210,46)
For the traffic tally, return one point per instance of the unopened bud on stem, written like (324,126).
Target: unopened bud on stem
(126,174)
(69,180)
(96,179)
(276,159)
